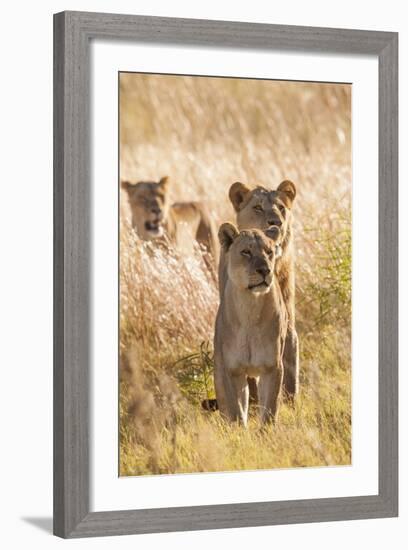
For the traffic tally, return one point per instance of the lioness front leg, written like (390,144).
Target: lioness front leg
(232,395)
(240,382)
(270,383)
(291,363)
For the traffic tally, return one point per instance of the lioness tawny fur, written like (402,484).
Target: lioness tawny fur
(154,217)
(261,208)
(251,324)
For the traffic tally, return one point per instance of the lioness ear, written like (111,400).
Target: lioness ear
(289,189)
(227,234)
(126,185)
(237,193)
(164,183)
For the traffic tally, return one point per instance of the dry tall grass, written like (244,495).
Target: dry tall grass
(207,133)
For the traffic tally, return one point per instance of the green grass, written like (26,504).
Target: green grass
(330,291)
(194,374)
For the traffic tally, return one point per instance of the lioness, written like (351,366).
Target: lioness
(262,209)
(154,217)
(251,324)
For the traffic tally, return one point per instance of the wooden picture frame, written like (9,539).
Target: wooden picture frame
(72,201)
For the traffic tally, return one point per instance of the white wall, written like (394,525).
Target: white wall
(26,271)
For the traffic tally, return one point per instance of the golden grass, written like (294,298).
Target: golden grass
(207,133)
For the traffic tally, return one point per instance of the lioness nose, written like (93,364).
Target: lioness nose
(276,221)
(264,271)
(156,210)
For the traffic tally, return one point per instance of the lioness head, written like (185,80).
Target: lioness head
(261,208)
(250,256)
(149,205)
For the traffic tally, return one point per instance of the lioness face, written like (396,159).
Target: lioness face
(251,256)
(149,205)
(261,208)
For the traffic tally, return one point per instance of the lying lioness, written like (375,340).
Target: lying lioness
(251,324)
(154,217)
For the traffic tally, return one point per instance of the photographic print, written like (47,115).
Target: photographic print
(235,274)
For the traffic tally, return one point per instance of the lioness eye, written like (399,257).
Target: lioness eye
(258,208)
(281,208)
(246,253)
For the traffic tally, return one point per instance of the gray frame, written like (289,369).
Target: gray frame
(72,34)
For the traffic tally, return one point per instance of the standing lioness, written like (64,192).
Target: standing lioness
(251,324)
(262,209)
(154,217)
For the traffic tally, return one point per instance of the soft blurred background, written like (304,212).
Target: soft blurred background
(206,133)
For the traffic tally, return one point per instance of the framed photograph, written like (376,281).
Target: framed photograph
(225,287)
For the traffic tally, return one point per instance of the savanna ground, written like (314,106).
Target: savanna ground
(206,133)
